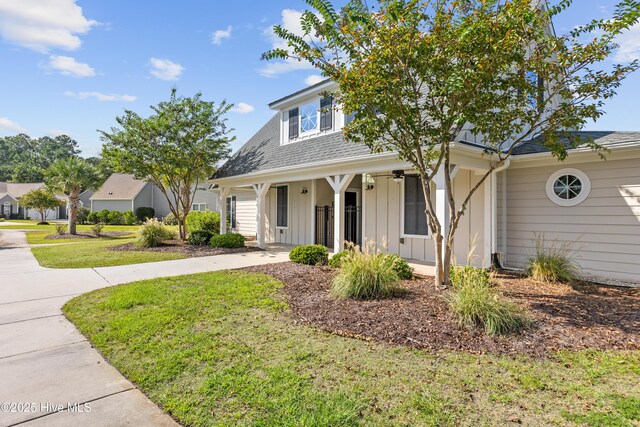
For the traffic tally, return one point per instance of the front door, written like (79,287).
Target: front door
(351,218)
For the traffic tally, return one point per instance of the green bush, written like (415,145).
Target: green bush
(203,221)
(229,240)
(552,263)
(199,237)
(310,255)
(153,233)
(61,228)
(116,218)
(97,229)
(144,213)
(401,266)
(103,216)
(476,304)
(170,219)
(129,218)
(92,218)
(83,214)
(337,258)
(365,276)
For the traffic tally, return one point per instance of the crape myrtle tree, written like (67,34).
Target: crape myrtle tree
(41,200)
(72,176)
(417,73)
(176,147)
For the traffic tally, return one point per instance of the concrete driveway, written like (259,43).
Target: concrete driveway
(49,373)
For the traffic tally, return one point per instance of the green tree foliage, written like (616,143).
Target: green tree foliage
(176,147)
(25,159)
(71,176)
(417,73)
(42,200)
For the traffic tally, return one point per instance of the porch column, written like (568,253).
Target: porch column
(339,183)
(312,212)
(261,194)
(222,206)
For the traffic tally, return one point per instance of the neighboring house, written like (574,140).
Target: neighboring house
(311,186)
(12,192)
(85,199)
(123,192)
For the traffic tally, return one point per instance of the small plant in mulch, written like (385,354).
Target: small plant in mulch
(310,255)
(96,229)
(153,233)
(476,303)
(61,229)
(401,266)
(199,237)
(552,262)
(229,240)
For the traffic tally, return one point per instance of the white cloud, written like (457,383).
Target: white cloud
(68,66)
(41,25)
(56,132)
(218,36)
(165,69)
(10,125)
(629,43)
(291,22)
(313,79)
(101,96)
(243,108)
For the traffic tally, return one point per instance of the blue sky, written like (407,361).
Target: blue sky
(72,66)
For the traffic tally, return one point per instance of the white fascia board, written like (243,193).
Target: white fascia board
(295,99)
(579,155)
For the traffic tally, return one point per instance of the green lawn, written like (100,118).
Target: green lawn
(33,225)
(95,253)
(221,349)
(39,237)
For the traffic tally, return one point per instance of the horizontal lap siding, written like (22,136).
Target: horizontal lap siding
(603,231)
(246,210)
(112,205)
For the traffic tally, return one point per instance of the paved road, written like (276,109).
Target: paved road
(46,363)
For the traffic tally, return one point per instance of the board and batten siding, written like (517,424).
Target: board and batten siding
(603,231)
(299,227)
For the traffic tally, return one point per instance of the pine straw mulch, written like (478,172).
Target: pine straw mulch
(88,235)
(585,316)
(180,247)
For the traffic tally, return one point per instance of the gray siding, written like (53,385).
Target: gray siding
(144,199)
(112,205)
(603,231)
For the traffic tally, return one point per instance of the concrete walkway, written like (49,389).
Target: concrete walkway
(46,363)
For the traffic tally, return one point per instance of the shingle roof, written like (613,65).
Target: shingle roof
(17,189)
(263,151)
(610,140)
(119,186)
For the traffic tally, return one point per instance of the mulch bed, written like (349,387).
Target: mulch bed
(87,235)
(565,317)
(178,246)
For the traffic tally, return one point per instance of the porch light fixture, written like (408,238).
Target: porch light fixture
(304,191)
(368,182)
(398,176)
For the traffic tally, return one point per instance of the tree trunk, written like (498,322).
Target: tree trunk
(73,214)
(182,228)
(439,269)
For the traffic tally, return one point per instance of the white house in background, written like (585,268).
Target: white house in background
(311,186)
(12,192)
(123,192)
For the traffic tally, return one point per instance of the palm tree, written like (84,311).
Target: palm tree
(72,176)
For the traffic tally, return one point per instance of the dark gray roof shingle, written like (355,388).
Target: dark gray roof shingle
(263,151)
(610,140)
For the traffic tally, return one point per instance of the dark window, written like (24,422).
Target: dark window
(415,221)
(293,123)
(231,211)
(326,113)
(536,100)
(282,206)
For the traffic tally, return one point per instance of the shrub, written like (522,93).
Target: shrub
(310,255)
(199,237)
(203,221)
(552,263)
(365,276)
(116,218)
(337,258)
(97,229)
(83,214)
(476,304)
(229,240)
(170,219)
(103,216)
(153,232)
(144,213)
(129,218)
(61,228)
(92,218)
(401,266)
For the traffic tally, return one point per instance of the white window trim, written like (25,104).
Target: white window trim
(230,216)
(586,187)
(403,235)
(284,130)
(288,206)
(199,204)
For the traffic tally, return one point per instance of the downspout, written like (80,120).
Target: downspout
(496,262)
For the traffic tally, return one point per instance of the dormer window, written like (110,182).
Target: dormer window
(310,118)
